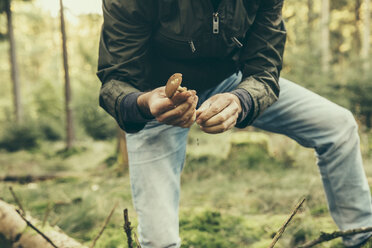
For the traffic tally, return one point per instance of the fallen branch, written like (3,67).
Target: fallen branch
(37,230)
(284,226)
(27,178)
(104,226)
(137,241)
(16,200)
(14,230)
(324,237)
(128,229)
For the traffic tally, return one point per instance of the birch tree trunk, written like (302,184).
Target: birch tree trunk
(367,30)
(326,57)
(18,112)
(69,117)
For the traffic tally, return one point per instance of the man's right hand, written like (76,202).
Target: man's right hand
(180,110)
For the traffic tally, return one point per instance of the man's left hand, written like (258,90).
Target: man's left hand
(219,113)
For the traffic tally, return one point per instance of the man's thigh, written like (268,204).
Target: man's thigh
(304,116)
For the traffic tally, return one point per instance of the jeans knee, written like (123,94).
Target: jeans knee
(341,132)
(347,122)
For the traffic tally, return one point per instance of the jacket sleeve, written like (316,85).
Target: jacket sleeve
(262,57)
(123,51)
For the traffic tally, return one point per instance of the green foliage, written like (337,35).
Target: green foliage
(65,153)
(51,129)
(358,91)
(213,229)
(22,136)
(95,121)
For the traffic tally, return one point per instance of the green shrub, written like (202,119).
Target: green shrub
(98,124)
(95,121)
(51,129)
(23,136)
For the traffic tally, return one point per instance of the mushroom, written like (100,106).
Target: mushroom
(173,85)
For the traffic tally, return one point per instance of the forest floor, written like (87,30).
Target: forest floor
(237,190)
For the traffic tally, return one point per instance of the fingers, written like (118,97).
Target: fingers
(219,113)
(221,127)
(162,104)
(188,118)
(181,97)
(228,112)
(180,114)
(210,108)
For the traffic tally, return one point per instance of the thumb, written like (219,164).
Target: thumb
(205,105)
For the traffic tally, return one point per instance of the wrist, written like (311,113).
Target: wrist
(237,101)
(143,106)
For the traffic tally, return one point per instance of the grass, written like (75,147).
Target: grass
(236,194)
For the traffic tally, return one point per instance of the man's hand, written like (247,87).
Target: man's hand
(180,110)
(219,113)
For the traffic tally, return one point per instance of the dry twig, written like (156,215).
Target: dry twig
(128,229)
(284,226)
(104,226)
(324,237)
(136,239)
(37,230)
(46,214)
(16,200)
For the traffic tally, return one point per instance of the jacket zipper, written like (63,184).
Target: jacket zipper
(237,42)
(183,41)
(192,46)
(216,23)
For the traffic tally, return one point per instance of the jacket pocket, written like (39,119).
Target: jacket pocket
(173,46)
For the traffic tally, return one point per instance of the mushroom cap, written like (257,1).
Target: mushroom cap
(172,85)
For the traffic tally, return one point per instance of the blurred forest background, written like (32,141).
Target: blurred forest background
(230,198)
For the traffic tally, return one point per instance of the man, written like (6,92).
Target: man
(230,52)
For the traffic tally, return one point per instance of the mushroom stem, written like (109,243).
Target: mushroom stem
(181,89)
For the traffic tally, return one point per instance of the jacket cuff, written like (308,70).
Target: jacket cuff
(262,95)
(245,117)
(131,118)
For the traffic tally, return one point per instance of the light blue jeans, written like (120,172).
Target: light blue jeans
(157,154)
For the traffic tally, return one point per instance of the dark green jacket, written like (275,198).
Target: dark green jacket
(143,42)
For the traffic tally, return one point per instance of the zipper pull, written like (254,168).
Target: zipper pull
(192,46)
(216,23)
(237,42)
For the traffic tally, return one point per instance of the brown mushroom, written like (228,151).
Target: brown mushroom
(173,85)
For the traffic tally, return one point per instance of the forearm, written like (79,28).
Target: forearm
(119,99)
(262,57)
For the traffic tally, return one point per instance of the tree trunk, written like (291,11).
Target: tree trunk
(18,112)
(69,116)
(13,230)
(310,20)
(356,40)
(366,34)
(122,151)
(326,57)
